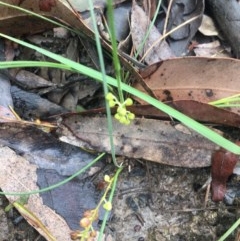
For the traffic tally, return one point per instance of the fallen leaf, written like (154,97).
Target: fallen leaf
(223,163)
(6,115)
(29,80)
(15,22)
(191,78)
(46,5)
(148,139)
(18,175)
(5,86)
(31,141)
(30,105)
(121,20)
(199,111)
(212,49)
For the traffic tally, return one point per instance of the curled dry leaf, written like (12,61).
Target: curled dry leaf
(194,109)
(27,24)
(62,12)
(223,163)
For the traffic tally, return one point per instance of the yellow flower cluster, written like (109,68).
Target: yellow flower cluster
(123,115)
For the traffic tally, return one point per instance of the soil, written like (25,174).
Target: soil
(152,202)
(157,202)
(13,227)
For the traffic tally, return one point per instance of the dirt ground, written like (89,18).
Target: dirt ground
(152,202)
(13,227)
(157,202)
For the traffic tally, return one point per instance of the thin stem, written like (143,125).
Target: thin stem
(116,61)
(167,17)
(110,200)
(104,81)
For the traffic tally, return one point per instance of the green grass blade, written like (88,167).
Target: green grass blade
(231,101)
(230,230)
(115,57)
(24,64)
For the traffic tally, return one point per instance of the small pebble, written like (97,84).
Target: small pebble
(137,228)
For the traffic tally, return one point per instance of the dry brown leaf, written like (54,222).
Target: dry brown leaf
(196,110)
(15,22)
(191,78)
(18,175)
(6,115)
(148,139)
(199,111)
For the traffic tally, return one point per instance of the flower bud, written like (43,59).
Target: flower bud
(107,178)
(107,206)
(93,234)
(85,222)
(112,103)
(75,235)
(117,116)
(128,102)
(110,96)
(131,116)
(121,111)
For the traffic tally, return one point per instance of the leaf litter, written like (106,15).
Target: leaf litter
(166,182)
